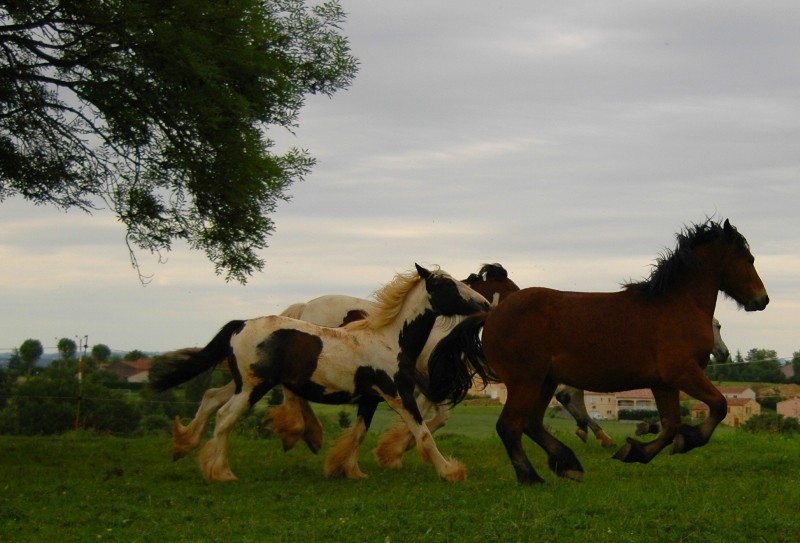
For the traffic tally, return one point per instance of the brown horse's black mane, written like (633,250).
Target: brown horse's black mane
(673,265)
(488,271)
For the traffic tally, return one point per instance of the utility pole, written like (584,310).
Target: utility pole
(83,343)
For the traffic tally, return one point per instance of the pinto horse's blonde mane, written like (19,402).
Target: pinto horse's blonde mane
(389,300)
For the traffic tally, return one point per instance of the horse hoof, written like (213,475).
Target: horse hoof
(573,474)
(581,434)
(314,445)
(678,445)
(177,454)
(605,440)
(455,472)
(623,453)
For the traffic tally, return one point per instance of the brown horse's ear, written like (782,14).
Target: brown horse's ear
(422,271)
(728,228)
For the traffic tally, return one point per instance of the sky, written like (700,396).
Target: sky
(568,141)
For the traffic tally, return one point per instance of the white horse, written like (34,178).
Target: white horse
(364,362)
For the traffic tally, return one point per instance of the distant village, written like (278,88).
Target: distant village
(742,401)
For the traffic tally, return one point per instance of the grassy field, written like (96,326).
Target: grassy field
(80,487)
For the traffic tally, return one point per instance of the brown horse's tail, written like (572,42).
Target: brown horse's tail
(180,366)
(455,361)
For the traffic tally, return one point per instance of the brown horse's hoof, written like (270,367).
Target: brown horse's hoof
(623,452)
(573,474)
(678,445)
(604,439)
(632,452)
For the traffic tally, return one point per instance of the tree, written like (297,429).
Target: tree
(100,353)
(66,349)
(135,354)
(159,111)
(763,366)
(796,367)
(29,352)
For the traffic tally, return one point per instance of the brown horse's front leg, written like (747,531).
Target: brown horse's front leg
(690,437)
(669,409)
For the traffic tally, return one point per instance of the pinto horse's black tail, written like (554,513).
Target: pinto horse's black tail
(455,361)
(180,366)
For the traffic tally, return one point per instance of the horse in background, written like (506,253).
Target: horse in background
(652,334)
(364,362)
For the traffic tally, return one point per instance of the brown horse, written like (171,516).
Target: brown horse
(652,334)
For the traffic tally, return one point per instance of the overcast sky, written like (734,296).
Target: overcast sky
(568,141)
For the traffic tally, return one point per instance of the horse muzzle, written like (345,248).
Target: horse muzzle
(757,304)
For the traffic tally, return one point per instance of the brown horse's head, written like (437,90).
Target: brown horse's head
(492,283)
(740,279)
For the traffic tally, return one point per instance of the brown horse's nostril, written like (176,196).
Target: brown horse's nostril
(757,304)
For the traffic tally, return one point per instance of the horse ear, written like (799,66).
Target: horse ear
(422,271)
(727,226)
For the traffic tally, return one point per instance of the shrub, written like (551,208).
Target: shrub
(772,423)
(109,410)
(45,403)
(155,424)
(345,421)
(649,415)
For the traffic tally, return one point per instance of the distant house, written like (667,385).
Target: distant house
(789,408)
(733,393)
(641,398)
(133,371)
(494,391)
(739,410)
(601,405)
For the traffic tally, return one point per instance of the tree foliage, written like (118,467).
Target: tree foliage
(759,366)
(66,348)
(101,352)
(29,353)
(159,111)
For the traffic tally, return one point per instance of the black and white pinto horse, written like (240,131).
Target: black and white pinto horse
(365,362)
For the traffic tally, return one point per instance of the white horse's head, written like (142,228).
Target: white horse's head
(720,352)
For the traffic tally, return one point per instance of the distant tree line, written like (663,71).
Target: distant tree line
(52,400)
(758,366)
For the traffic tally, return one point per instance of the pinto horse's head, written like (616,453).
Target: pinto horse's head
(449,296)
(740,279)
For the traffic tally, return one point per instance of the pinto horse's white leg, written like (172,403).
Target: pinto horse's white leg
(186,438)
(398,439)
(448,469)
(343,458)
(214,455)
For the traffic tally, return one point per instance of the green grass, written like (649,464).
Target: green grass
(80,487)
